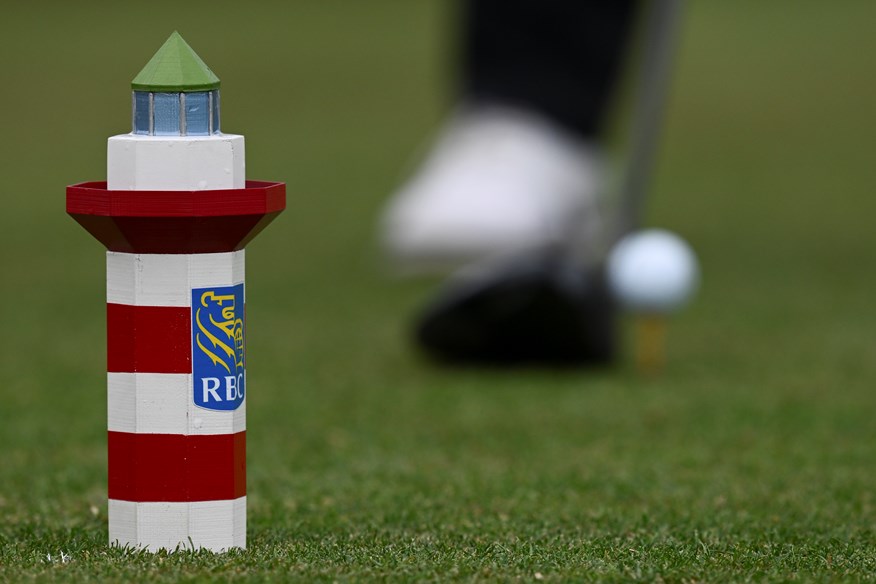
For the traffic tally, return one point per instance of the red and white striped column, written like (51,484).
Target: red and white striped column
(176,358)
(177,451)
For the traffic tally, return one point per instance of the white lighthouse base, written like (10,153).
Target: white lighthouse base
(175,163)
(214,525)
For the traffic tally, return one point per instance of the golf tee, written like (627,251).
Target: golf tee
(650,339)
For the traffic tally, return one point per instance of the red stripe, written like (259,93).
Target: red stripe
(176,468)
(149,339)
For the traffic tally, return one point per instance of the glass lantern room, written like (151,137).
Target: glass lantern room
(175,94)
(176,114)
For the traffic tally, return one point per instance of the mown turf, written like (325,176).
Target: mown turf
(752,458)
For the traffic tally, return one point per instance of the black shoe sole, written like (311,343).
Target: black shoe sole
(530,312)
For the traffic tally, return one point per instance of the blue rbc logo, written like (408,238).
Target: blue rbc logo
(218,347)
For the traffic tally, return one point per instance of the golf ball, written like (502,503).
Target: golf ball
(652,271)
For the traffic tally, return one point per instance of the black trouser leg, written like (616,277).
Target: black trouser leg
(558,57)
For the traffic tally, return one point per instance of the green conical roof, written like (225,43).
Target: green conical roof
(175,68)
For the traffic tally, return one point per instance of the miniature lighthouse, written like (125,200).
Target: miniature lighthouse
(175,215)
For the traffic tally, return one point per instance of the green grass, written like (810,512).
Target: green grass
(752,458)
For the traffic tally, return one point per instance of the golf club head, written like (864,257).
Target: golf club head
(532,310)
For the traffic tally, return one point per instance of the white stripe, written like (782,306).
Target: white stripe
(162,403)
(175,163)
(167,279)
(214,525)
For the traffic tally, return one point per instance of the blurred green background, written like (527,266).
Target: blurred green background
(752,457)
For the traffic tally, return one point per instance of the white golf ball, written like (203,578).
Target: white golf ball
(652,271)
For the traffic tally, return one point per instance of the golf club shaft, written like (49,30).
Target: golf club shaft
(660,37)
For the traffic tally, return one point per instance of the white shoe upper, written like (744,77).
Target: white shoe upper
(497,182)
